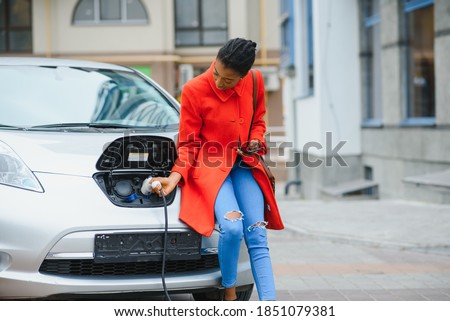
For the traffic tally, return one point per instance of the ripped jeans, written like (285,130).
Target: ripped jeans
(239,211)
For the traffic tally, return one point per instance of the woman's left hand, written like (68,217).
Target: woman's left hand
(167,184)
(249,148)
(253,146)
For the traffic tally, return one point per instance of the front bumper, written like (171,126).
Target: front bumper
(60,224)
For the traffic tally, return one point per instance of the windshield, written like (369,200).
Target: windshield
(41,96)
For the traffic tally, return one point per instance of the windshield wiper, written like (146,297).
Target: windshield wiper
(131,127)
(93,125)
(10,127)
(61,125)
(109,125)
(100,126)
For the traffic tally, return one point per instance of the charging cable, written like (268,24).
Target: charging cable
(145,189)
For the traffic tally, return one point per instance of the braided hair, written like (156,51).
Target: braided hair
(238,54)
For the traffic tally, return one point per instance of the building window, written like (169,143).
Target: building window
(287,34)
(200,22)
(372,114)
(419,59)
(310,48)
(15,26)
(89,12)
(298,52)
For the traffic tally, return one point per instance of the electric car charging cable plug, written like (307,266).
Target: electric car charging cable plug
(147,188)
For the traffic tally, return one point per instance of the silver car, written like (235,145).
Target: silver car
(77,141)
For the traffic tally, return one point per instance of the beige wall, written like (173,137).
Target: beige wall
(244,21)
(54,33)
(59,36)
(151,44)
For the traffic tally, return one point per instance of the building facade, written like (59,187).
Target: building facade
(169,40)
(367,87)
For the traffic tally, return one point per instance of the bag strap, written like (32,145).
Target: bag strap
(255,84)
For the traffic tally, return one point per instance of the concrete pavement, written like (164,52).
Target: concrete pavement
(361,250)
(387,223)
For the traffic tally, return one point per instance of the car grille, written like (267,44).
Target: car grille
(88,267)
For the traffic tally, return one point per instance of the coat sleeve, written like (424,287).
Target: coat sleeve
(259,125)
(189,142)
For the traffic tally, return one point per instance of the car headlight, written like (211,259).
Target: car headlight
(14,172)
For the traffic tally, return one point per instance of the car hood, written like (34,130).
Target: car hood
(69,153)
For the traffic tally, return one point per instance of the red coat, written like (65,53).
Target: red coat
(212,123)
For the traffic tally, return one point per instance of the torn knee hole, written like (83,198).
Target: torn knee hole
(261,225)
(234,215)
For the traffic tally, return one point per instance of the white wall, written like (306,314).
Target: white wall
(335,105)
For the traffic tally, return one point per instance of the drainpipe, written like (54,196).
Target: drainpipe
(48,29)
(263,49)
(262,31)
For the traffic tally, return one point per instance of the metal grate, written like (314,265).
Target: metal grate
(88,267)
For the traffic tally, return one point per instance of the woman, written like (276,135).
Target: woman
(219,178)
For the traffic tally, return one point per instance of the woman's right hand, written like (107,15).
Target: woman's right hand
(168,184)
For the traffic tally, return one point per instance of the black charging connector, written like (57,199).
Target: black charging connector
(147,188)
(166,235)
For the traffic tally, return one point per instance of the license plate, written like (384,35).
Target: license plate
(137,247)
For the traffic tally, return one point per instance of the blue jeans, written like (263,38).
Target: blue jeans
(240,197)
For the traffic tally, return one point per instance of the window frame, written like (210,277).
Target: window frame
(411,5)
(369,22)
(7,28)
(296,21)
(200,29)
(310,47)
(409,120)
(287,52)
(124,20)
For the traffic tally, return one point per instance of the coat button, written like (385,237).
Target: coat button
(241,120)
